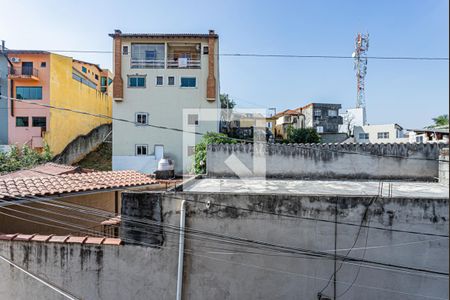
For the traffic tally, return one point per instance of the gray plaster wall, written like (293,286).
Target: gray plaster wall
(319,161)
(216,267)
(3,102)
(444,175)
(83,145)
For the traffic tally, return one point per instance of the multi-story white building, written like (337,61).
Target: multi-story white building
(386,133)
(163,80)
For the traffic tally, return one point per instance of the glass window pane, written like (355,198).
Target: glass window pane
(22,121)
(141,81)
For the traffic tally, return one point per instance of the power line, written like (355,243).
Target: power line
(189,252)
(268,55)
(202,133)
(280,248)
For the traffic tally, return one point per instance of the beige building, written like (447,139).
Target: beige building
(165,80)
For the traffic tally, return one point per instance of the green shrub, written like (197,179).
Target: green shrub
(302,135)
(200,149)
(23,158)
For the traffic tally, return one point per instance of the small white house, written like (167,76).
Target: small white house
(386,133)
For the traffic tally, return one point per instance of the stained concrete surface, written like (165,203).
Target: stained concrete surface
(320,187)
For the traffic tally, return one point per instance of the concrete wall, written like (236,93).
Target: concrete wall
(362,161)
(83,145)
(444,175)
(215,269)
(3,102)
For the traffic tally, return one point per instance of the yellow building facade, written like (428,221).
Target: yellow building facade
(74,94)
(42,80)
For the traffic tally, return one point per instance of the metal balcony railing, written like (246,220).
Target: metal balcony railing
(24,72)
(147,63)
(192,62)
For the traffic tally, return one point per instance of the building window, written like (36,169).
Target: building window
(83,69)
(148,56)
(190,150)
(22,122)
(383,135)
(43,64)
(188,82)
(29,92)
(141,119)
(141,149)
(39,122)
(136,81)
(193,119)
(159,80)
(125,50)
(363,136)
(171,80)
(419,139)
(319,129)
(96,77)
(206,50)
(317,113)
(332,113)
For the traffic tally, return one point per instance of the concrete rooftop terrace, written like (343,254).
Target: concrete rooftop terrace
(318,187)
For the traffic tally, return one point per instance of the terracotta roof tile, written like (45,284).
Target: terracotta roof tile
(94,240)
(24,237)
(69,183)
(41,238)
(67,239)
(112,241)
(76,239)
(8,237)
(59,239)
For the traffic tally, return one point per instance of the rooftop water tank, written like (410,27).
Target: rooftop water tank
(165,164)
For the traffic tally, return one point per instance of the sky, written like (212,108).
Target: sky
(409,93)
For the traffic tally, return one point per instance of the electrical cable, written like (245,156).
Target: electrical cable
(267,55)
(283,248)
(202,134)
(44,282)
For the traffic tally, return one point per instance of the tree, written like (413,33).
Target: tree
(441,120)
(226,102)
(302,135)
(348,121)
(22,158)
(200,149)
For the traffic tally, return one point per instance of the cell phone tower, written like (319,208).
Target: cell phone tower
(360,56)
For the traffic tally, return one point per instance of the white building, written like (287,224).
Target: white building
(429,135)
(386,133)
(352,117)
(163,80)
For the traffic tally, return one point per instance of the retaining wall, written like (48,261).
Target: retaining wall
(83,145)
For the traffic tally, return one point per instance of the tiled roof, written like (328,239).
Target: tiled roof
(164,35)
(67,239)
(79,182)
(44,169)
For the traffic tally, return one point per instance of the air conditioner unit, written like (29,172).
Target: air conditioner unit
(15,59)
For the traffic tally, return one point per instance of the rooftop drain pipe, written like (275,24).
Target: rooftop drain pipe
(181,250)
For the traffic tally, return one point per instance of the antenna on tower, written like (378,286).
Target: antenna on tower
(360,56)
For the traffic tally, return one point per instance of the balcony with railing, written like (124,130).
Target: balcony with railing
(23,73)
(183,56)
(189,62)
